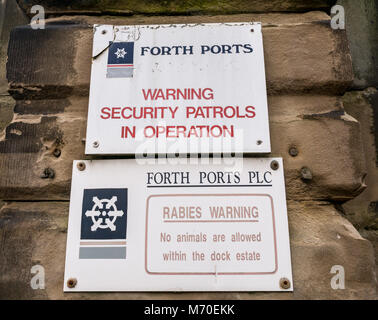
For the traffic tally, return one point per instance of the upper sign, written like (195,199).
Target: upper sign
(193,88)
(193,227)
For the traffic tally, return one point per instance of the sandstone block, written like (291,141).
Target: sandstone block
(35,233)
(299,57)
(129,7)
(326,138)
(305,64)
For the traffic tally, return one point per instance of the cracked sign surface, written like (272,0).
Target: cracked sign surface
(197,227)
(178,89)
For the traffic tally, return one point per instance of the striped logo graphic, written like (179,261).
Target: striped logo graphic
(120,60)
(103,224)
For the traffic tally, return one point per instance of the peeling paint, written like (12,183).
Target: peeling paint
(107,45)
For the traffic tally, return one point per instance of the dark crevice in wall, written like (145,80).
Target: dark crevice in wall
(374,102)
(55,8)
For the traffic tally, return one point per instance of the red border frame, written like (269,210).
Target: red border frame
(210,273)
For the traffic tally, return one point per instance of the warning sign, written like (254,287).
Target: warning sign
(178,89)
(189,227)
(235,245)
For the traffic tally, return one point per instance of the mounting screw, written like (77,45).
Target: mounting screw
(258,142)
(293,151)
(48,173)
(57,152)
(252,30)
(285,283)
(306,173)
(96,144)
(71,283)
(103,31)
(274,165)
(81,166)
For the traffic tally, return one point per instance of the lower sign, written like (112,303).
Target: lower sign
(183,227)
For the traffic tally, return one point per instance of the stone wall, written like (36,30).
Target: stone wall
(362,103)
(308,69)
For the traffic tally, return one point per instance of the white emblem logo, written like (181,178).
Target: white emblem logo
(104,213)
(120,53)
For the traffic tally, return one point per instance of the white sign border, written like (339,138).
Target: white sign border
(87,278)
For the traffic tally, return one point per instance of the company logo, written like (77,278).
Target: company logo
(120,60)
(103,224)
(104,213)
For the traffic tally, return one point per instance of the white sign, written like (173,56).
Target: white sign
(193,88)
(186,227)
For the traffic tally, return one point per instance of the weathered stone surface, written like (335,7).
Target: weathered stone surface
(35,233)
(328,143)
(29,145)
(51,104)
(307,65)
(42,62)
(321,238)
(8,8)
(299,57)
(327,140)
(372,236)
(315,59)
(361,23)
(6,111)
(362,211)
(128,7)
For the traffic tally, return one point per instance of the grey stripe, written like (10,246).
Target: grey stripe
(120,72)
(102,253)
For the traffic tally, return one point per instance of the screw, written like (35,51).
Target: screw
(71,283)
(258,142)
(57,152)
(252,30)
(95,144)
(293,151)
(285,283)
(103,31)
(48,173)
(81,166)
(274,165)
(306,173)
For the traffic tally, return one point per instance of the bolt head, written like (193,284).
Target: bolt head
(258,142)
(285,283)
(81,166)
(293,151)
(96,144)
(71,283)
(274,165)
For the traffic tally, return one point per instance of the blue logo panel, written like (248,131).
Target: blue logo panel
(121,53)
(104,214)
